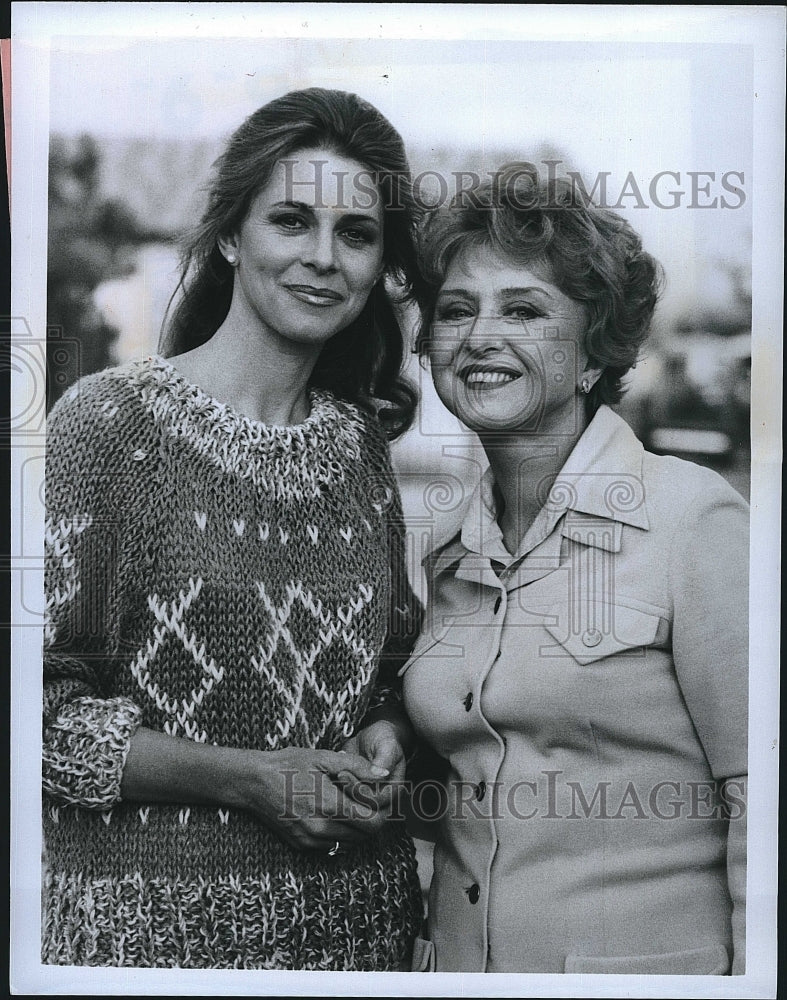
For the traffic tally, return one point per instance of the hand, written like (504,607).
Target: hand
(380,744)
(301,794)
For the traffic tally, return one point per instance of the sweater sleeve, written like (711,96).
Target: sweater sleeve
(405,615)
(86,731)
(709,581)
(405,611)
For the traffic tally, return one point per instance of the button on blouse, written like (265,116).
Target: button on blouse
(579,689)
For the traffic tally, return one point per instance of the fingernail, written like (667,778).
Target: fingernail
(381,771)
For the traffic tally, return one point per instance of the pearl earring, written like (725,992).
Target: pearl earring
(586,385)
(232,259)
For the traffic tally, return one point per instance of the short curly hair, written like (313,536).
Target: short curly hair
(592,255)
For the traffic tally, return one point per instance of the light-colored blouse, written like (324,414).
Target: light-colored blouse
(590,696)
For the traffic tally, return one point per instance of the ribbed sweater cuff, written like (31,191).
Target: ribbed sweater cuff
(85,751)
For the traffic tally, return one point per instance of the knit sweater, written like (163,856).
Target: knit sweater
(230,582)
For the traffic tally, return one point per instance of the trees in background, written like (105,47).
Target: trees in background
(91,239)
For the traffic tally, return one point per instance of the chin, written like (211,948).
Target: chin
(310,335)
(493,415)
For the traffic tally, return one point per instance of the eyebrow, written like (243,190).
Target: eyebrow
(359,217)
(525,291)
(503,292)
(303,207)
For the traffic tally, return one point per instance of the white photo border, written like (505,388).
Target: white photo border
(34,24)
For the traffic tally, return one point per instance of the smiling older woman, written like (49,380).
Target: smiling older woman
(583,668)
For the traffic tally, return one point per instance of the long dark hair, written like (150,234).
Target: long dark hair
(363,362)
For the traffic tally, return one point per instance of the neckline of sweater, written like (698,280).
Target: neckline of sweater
(297,459)
(322,404)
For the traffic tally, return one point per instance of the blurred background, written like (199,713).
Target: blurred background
(135,126)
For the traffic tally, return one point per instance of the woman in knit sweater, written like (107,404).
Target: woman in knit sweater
(227,600)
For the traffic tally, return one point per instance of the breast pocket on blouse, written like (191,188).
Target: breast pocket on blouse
(596,629)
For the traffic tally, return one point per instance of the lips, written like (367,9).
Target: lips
(488,376)
(315,296)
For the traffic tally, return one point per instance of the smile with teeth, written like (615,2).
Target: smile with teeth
(477,378)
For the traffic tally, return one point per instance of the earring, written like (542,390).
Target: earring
(231,258)
(585,385)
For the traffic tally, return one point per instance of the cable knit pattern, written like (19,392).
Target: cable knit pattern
(231,582)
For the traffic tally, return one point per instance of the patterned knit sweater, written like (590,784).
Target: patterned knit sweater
(220,580)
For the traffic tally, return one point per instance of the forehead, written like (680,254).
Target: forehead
(485,267)
(321,178)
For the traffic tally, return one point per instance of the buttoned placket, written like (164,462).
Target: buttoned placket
(538,555)
(479,569)
(495,591)
(499,610)
(593,519)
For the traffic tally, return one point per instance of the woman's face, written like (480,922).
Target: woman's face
(308,258)
(506,347)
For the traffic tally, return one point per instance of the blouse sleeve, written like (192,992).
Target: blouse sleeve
(86,731)
(709,570)
(709,582)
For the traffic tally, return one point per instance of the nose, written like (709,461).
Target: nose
(318,252)
(476,335)
(482,332)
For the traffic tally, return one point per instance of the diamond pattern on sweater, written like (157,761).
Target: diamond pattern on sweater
(192,504)
(333,624)
(169,615)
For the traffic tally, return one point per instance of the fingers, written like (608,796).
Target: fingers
(351,746)
(352,806)
(324,841)
(388,753)
(378,800)
(335,819)
(367,807)
(381,742)
(389,799)
(375,805)
(315,798)
(331,831)
(335,762)
(383,755)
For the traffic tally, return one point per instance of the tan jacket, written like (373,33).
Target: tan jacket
(590,695)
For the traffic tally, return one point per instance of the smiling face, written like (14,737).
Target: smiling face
(307,258)
(506,347)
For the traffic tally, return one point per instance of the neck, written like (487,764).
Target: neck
(262,376)
(524,468)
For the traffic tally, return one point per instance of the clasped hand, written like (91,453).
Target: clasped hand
(316,798)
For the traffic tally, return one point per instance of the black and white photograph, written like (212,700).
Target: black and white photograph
(396,469)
